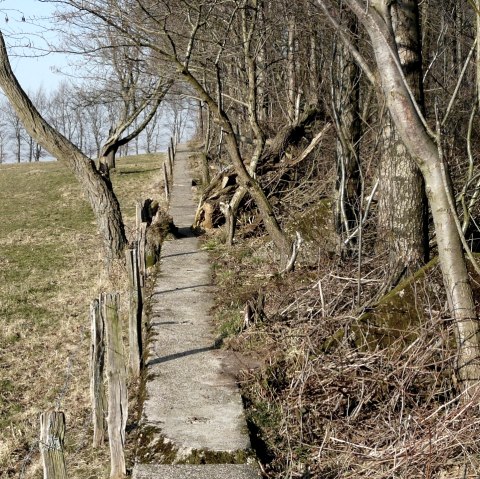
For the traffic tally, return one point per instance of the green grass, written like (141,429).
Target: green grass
(50,270)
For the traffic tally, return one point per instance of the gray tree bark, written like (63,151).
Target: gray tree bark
(401,227)
(477,6)
(417,139)
(346,93)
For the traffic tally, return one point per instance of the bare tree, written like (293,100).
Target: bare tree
(116,75)
(98,191)
(178,40)
(15,130)
(424,147)
(140,99)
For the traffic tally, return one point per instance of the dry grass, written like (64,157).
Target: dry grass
(320,403)
(50,270)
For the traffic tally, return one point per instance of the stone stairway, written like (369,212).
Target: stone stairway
(193,424)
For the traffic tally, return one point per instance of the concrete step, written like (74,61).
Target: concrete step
(193,411)
(204,471)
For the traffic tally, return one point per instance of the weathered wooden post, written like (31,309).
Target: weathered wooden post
(117,385)
(52,435)
(170,161)
(135,312)
(141,244)
(138,214)
(165,182)
(174,148)
(97,372)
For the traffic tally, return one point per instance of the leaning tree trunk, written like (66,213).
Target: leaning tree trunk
(272,226)
(402,232)
(98,190)
(406,116)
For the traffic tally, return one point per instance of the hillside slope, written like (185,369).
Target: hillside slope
(50,270)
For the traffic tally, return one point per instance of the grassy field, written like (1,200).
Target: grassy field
(50,270)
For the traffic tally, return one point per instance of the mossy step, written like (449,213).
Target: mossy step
(205,471)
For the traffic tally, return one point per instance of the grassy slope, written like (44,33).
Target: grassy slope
(50,270)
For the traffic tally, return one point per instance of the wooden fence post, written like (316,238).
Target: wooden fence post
(52,435)
(138,214)
(141,243)
(117,385)
(165,181)
(170,161)
(135,313)
(97,372)
(172,144)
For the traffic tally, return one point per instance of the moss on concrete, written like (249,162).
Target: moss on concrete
(153,447)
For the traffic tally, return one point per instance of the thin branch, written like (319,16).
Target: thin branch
(354,52)
(459,82)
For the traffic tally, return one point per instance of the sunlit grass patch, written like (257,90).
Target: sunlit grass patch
(50,270)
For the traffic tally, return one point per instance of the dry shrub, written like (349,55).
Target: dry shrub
(323,404)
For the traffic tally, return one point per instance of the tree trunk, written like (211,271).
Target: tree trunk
(272,226)
(111,159)
(347,115)
(401,224)
(477,15)
(405,114)
(19,146)
(98,190)
(291,76)
(108,158)
(262,78)
(30,150)
(401,227)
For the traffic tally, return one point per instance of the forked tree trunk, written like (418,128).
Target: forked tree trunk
(272,226)
(402,231)
(98,190)
(424,152)
(127,122)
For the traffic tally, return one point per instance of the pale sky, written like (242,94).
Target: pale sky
(31,64)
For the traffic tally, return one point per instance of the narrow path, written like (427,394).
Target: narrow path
(193,412)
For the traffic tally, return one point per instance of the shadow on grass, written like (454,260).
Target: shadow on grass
(136,172)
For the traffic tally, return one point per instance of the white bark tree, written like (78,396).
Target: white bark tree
(423,147)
